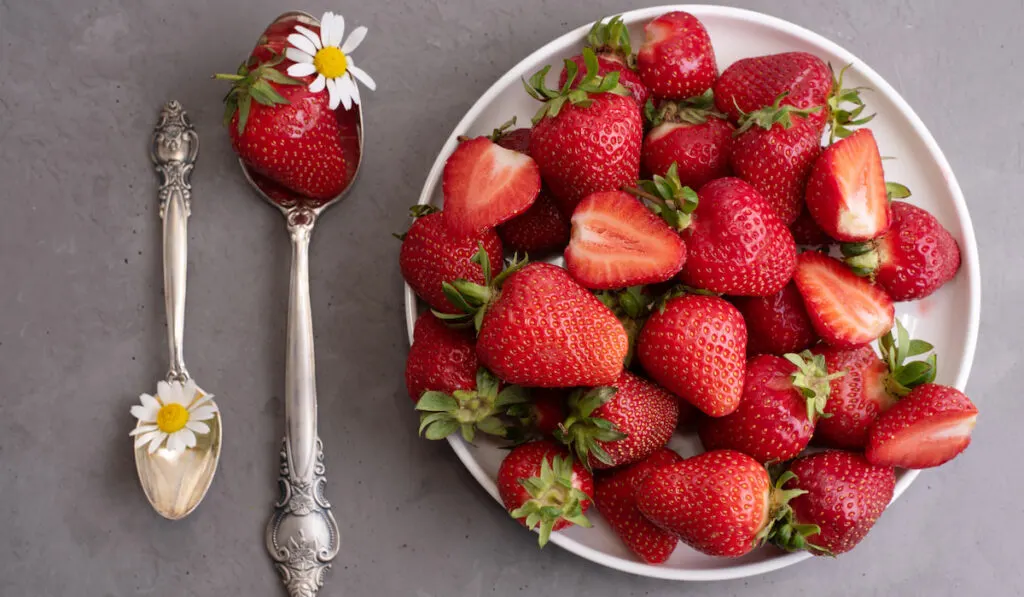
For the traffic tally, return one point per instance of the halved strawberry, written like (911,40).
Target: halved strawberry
(617,242)
(929,426)
(844,309)
(485,184)
(846,193)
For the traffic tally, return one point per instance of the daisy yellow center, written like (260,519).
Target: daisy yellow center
(171,417)
(330,62)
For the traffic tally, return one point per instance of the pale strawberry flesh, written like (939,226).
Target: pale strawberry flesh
(846,193)
(845,310)
(927,428)
(617,242)
(485,184)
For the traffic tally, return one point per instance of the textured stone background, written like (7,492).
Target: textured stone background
(82,331)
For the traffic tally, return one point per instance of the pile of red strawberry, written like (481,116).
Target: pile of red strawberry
(674,301)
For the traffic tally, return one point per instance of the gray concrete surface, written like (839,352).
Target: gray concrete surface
(82,332)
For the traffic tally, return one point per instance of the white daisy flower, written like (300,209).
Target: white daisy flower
(330,59)
(175,414)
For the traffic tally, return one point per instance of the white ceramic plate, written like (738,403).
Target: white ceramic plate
(948,319)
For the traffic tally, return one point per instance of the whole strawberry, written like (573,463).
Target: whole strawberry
(466,411)
(870,386)
(543,414)
(776,324)
(677,60)
(753,83)
(841,495)
(441,358)
(585,138)
(928,427)
(720,503)
(615,499)
(285,132)
(692,135)
(610,42)
(432,255)
(774,151)
(542,329)
(736,243)
(612,426)
(539,230)
(913,259)
(543,488)
(807,233)
(695,347)
(783,397)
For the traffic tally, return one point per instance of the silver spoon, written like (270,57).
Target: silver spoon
(176,481)
(302,535)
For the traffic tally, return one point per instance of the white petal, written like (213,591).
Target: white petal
(354,40)
(145,438)
(156,441)
(363,78)
(318,84)
(345,86)
(201,400)
(326,23)
(202,413)
(143,429)
(337,32)
(300,42)
(176,442)
(146,414)
(201,428)
(187,437)
(163,391)
(296,55)
(189,391)
(332,89)
(301,69)
(354,88)
(150,401)
(310,35)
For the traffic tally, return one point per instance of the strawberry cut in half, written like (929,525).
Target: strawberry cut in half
(485,184)
(617,242)
(846,192)
(929,426)
(845,310)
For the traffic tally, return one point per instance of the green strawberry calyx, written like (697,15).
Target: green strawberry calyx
(841,118)
(552,498)
(612,39)
(811,379)
(631,306)
(473,299)
(253,83)
(575,93)
(768,116)
(469,411)
(782,528)
(905,375)
(584,433)
(667,197)
(694,110)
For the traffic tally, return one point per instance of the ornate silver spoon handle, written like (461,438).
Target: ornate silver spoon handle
(174,150)
(302,535)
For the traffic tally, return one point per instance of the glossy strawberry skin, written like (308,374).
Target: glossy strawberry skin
(431,255)
(776,324)
(752,83)
(677,60)
(695,348)
(607,63)
(917,255)
(716,502)
(701,152)
(441,358)
(771,421)
(615,499)
(855,400)
(846,192)
(807,233)
(540,230)
(845,496)
(646,413)
(524,462)
(618,242)
(303,145)
(545,330)
(949,416)
(548,409)
(516,140)
(736,243)
(587,150)
(777,162)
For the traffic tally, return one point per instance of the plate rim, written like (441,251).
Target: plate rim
(969,249)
